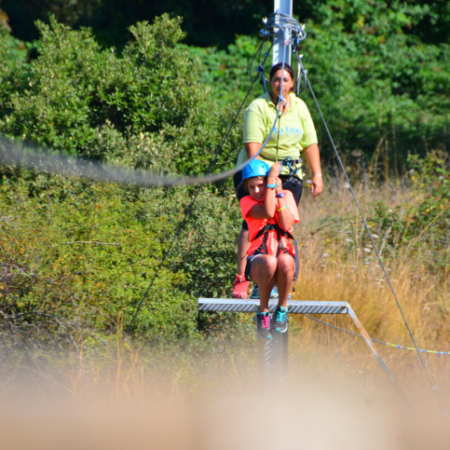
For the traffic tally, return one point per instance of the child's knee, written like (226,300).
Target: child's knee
(266,264)
(286,263)
(270,264)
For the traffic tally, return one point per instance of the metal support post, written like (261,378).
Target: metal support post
(273,361)
(280,49)
(273,353)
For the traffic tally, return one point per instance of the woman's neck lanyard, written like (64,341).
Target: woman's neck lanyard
(281,112)
(286,103)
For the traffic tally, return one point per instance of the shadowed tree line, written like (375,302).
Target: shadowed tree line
(217,22)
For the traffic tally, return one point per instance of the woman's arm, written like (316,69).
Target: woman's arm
(252,148)
(312,157)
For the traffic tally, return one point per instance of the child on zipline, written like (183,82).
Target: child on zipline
(270,213)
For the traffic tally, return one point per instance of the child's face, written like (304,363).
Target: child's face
(257,188)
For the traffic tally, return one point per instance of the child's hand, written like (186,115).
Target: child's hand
(279,187)
(273,173)
(274,178)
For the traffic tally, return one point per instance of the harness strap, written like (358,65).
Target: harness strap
(290,163)
(284,162)
(280,232)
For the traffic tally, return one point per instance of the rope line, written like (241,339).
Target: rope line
(401,347)
(433,387)
(191,205)
(281,100)
(12,153)
(260,67)
(40,159)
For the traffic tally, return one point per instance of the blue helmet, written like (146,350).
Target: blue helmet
(256,168)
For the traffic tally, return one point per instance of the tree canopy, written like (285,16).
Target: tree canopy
(217,22)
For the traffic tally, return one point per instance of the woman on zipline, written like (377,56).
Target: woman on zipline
(270,213)
(294,133)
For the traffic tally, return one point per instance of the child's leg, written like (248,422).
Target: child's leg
(284,277)
(262,272)
(243,246)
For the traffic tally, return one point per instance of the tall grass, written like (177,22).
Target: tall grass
(337,264)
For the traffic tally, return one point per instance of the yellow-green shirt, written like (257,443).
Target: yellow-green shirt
(294,131)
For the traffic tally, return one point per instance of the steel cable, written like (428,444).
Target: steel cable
(190,207)
(12,153)
(433,387)
(374,340)
(40,159)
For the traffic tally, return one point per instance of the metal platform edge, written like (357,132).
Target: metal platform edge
(294,306)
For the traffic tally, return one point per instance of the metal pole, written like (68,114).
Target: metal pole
(273,362)
(374,350)
(282,7)
(273,353)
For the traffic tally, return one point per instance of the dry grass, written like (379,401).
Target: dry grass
(330,271)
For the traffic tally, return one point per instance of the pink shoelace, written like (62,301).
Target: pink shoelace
(265,321)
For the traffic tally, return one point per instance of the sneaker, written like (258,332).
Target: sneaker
(255,293)
(240,288)
(263,325)
(274,293)
(279,320)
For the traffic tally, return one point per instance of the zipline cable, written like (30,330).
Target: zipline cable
(190,207)
(281,100)
(433,387)
(39,159)
(12,153)
(401,347)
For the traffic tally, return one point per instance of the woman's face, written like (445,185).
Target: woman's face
(275,82)
(257,188)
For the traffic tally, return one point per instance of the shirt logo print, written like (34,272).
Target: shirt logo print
(289,131)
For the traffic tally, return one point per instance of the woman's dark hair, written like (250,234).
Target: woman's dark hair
(279,66)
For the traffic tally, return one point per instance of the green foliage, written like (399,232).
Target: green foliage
(146,108)
(211,272)
(164,106)
(420,226)
(227,72)
(13,56)
(75,93)
(77,258)
(380,88)
(82,255)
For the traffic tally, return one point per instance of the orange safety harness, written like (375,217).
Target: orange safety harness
(262,249)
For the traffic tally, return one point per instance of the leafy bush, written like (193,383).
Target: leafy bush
(420,227)
(82,255)
(74,89)
(146,108)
